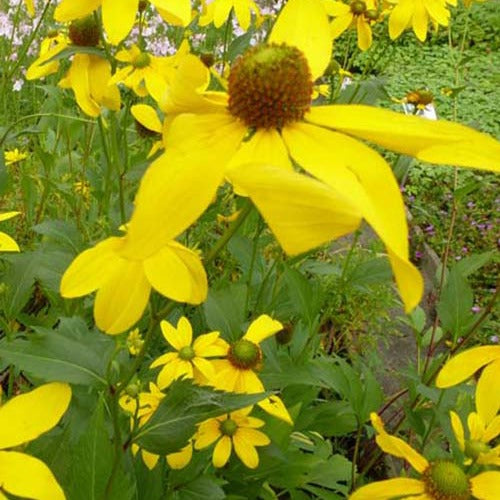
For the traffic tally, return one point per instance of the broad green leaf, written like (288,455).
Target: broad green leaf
(63,232)
(371,272)
(76,49)
(71,353)
(305,295)
(469,265)
(185,405)
(202,488)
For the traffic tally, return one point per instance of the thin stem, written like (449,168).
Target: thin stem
(355,456)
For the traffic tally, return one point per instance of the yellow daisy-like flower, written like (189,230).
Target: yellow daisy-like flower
(359,14)
(440,479)
(23,419)
(14,156)
(218,12)
(236,429)
(189,360)
(135,342)
(49,48)
(7,244)
(30,7)
(417,14)
(251,135)
(118,16)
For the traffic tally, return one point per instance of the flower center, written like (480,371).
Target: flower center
(84,32)
(371,15)
(228,427)
(358,7)
(187,353)
(474,448)
(142,60)
(445,480)
(270,86)
(244,354)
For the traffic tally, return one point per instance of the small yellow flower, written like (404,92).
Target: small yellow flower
(83,189)
(30,7)
(23,419)
(7,244)
(439,479)
(219,11)
(14,156)
(236,429)
(49,48)
(134,342)
(189,360)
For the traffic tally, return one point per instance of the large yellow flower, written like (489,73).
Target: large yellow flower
(440,479)
(189,360)
(251,135)
(236,429)
(417,14)
(119,15)
(7,244)
(22,419)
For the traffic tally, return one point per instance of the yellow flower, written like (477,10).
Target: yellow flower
(359,13)
(189,360)
(250,136)
(438,479)
(22,419)
(148,123)
(236,429)
(135,342)
(14,156)
(417,14)
(218,12)
(30,7)
(118,16)
(49,48)
(7,244)
(124,283)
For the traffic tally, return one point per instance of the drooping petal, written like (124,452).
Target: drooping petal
(80,83)
(91,268)
(147,117)
(438,141)
(361,175)
(275,407)
(121,300)
(27,416)
(103,93)
(245,450)
(488,392)
(389,488)
(458,430)
(8,244)
(180,459)
(293,27)
(463,365)
(242,12)
(341,23)
(437,11)
(248,382)
(262,328)
(150,459)
(485,486)
(397,447)
(8,215)
(492,430)
(28,477)
(177,273)
(420,20)
(222,452)
(222,8)
(205,367)
(164,359)
(208,432)
(118,17)
(68,10)
(177,12)
(167,374)
(400,17)
(476,426)
(364,34)
(209,344)
(250,435)
(302,212)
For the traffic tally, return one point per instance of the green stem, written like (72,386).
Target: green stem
(355,456)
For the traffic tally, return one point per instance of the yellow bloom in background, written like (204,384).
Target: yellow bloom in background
(49,48)
(250,136)
(417,14)
(189,360)
(235,430)
(119,16)
(7,244)
(439,479)
(23,419)
(30,7)
(218,12)
(148,124)
(14,156)
(359,14)
(135,342)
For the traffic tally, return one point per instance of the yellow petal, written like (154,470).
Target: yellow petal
(302,212)
(147,117)
(164,358)
(28,477)
(341,23)
(103,93)
(205,367)
(293,27)
(171,336)
(262,328)
(463,365)
(492,430)
(91,268)
(79,77)
(361,175)
(485,486)
(364,34)
(121,300)
(8,244)
(222,8)
(256,438)
(476,426)
(25,417)
(242,12)
(150,459)
(388,489)
(488,393)
(397,447)
(180,459)
(420,20)
(222,451)
(210,344)
(437,11)
(167,374)
(8,215)
(68,10)
(184,331)
(400,17)
(275,407)
(245,450)
(118,17)
(177,273)
(177,12)
(439,141)
(208,432)
(458,430)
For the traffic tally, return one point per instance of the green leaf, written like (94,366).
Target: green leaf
(4,174)
(71,353)
(304,296)
(371,272)
(185,405)
(76,49)
(202,488)
(63,232)
(472,263)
